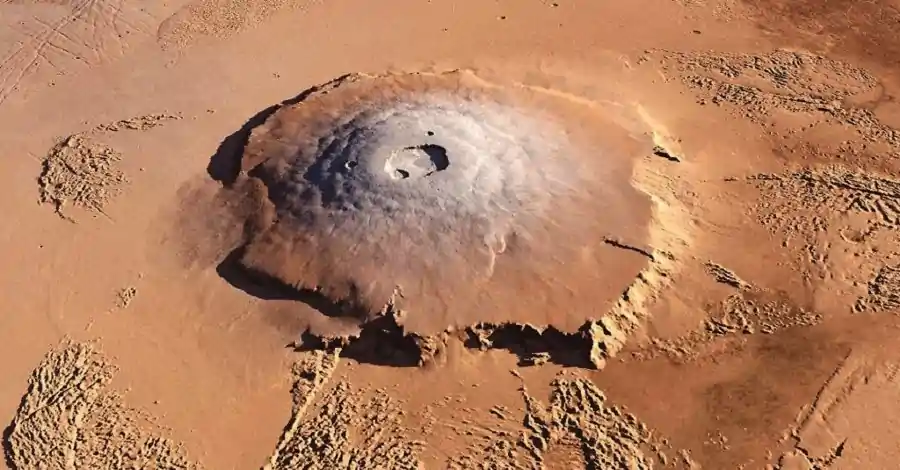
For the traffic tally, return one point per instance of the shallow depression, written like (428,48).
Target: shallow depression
(418,161)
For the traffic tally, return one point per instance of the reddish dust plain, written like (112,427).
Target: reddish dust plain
(450,234)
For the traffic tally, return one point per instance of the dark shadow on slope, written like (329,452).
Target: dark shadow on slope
(383,342)
(534,346)
(264,287)
(225,164)
(7,435)
(380,342)
(7,447)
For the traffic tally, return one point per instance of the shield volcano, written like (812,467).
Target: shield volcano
(448,200)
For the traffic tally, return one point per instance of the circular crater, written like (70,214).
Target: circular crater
(418,161)
(451,199)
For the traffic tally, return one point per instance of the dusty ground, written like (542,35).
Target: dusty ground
(757,333)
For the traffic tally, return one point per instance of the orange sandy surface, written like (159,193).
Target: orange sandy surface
(759,331)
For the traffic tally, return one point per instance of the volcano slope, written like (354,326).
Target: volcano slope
(438,202)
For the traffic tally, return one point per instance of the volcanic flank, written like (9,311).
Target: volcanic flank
(444,201)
